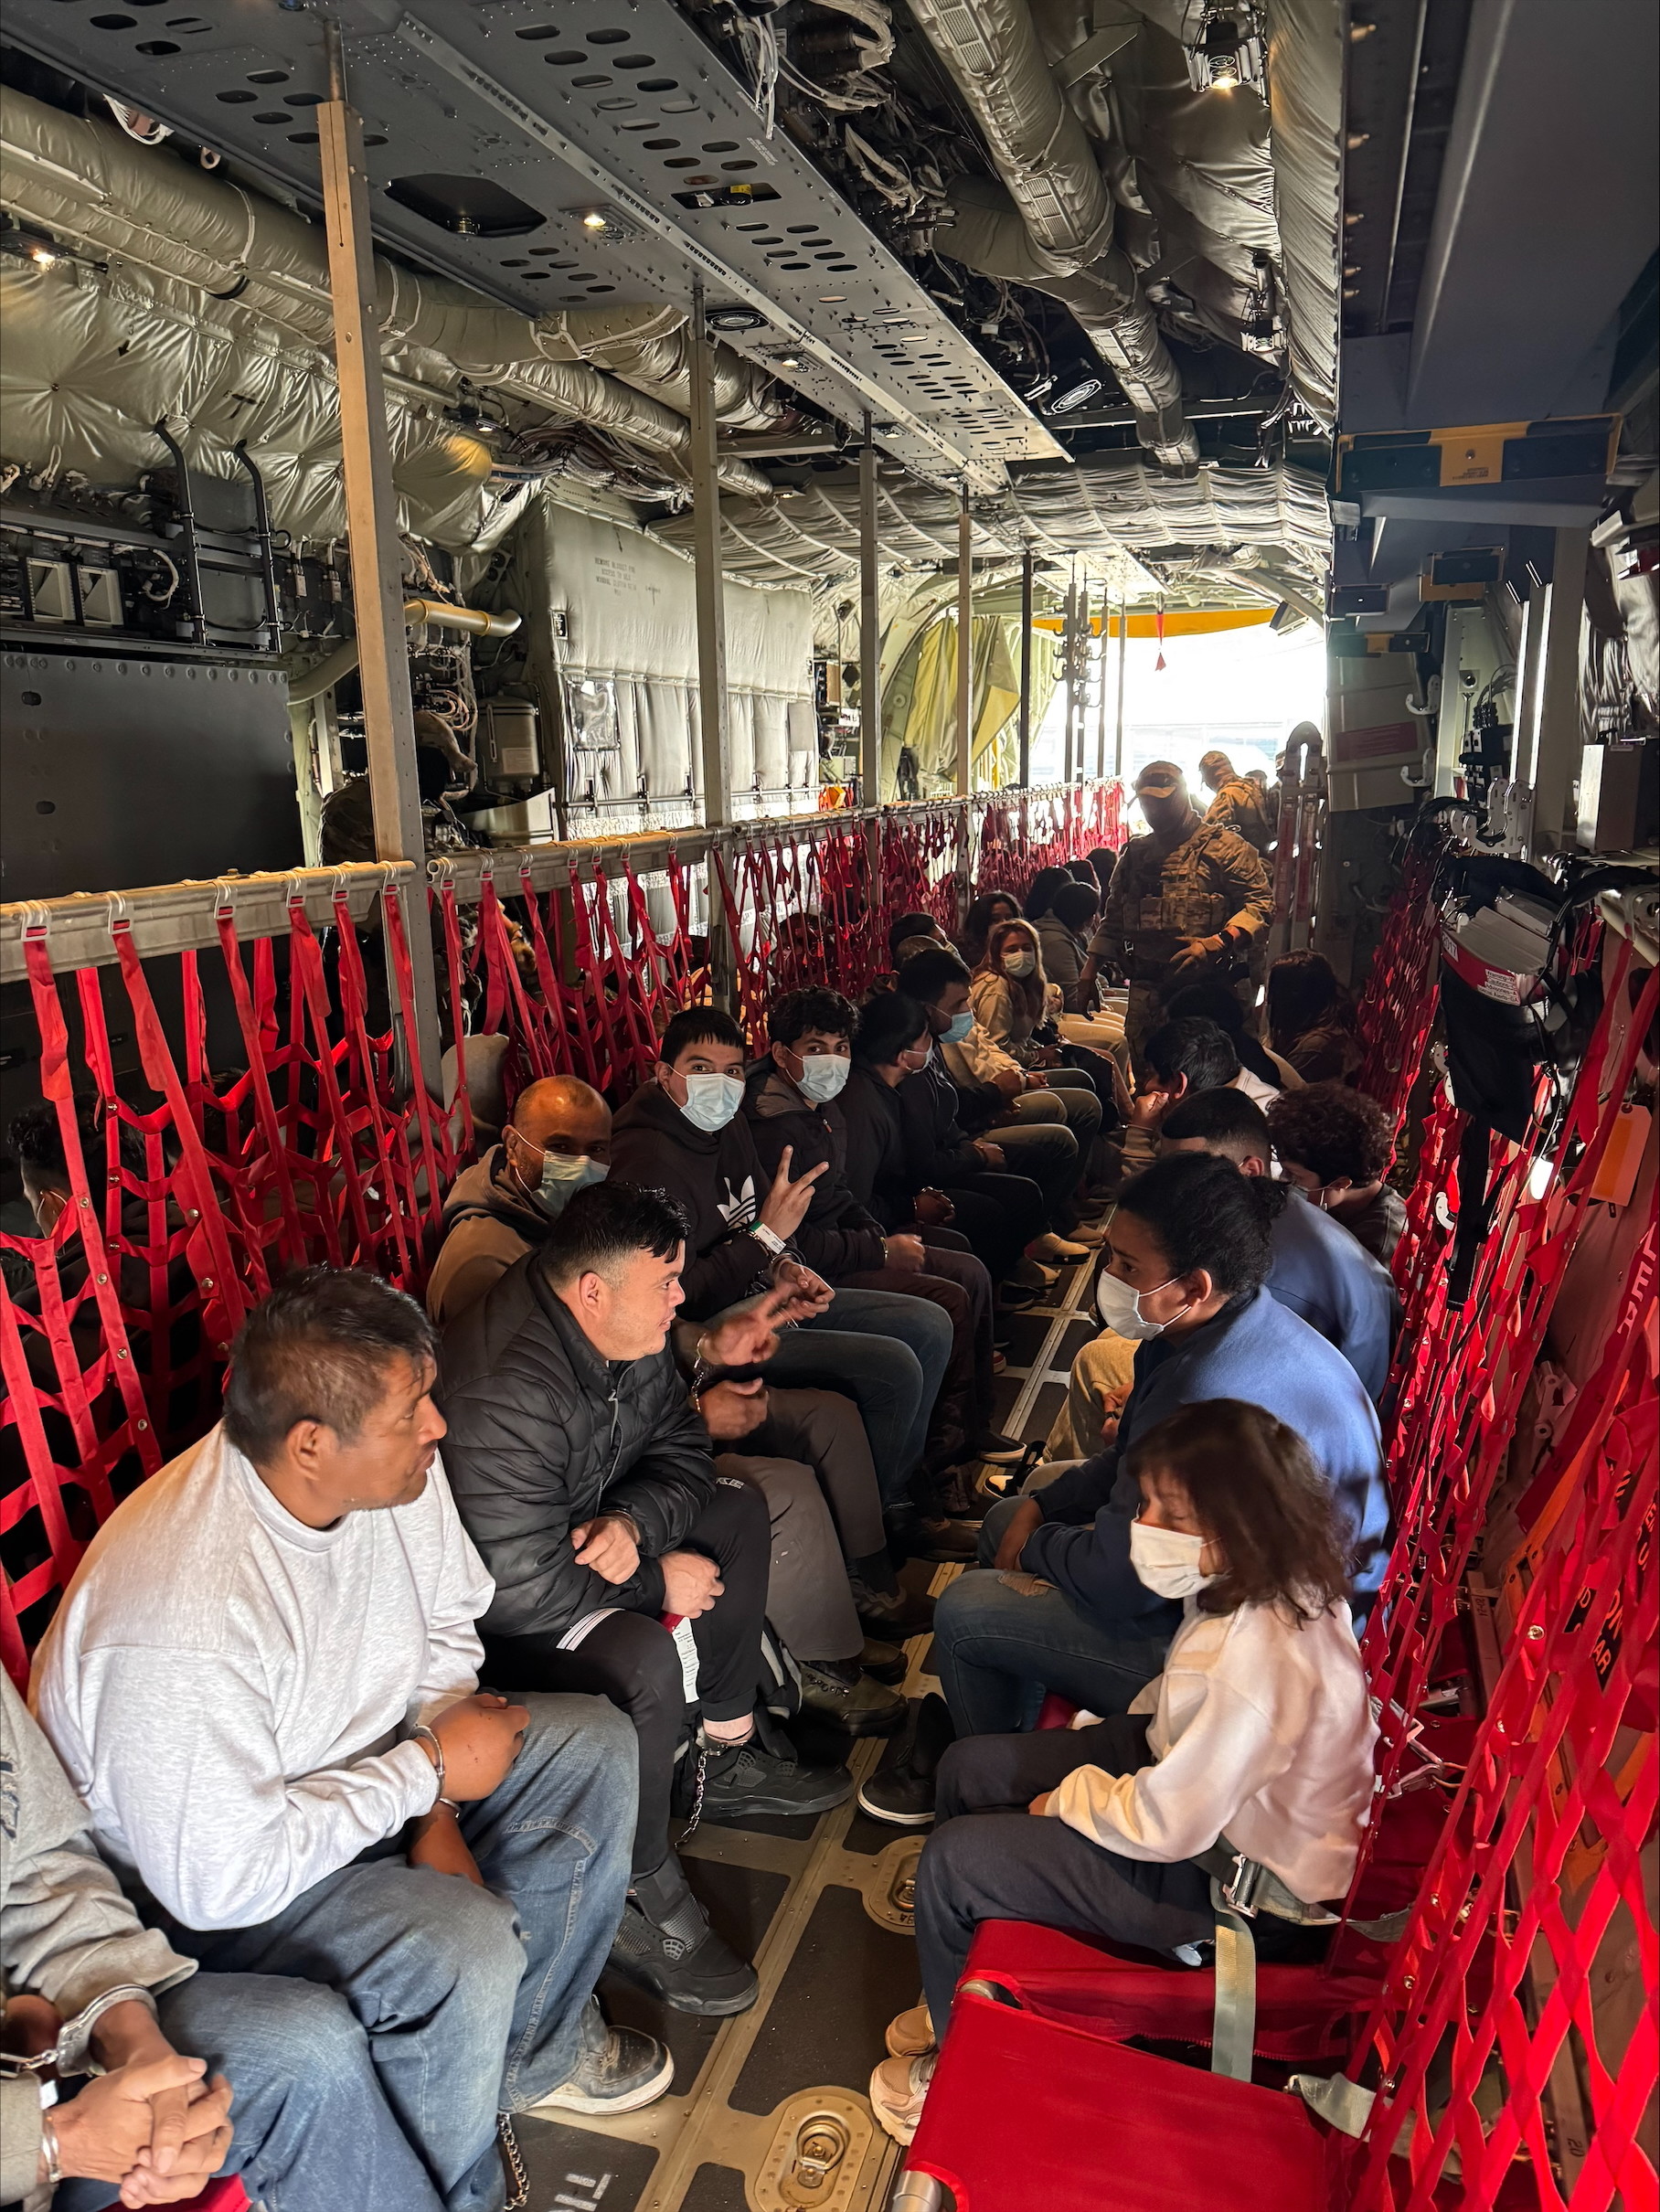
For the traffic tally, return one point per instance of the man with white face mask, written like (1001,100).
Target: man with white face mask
(557,1143)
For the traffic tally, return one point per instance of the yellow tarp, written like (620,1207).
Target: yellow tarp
(920,705)
(1181,621)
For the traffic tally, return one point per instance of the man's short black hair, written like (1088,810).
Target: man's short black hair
(927,976)
(1224,1121)
(915,925)
(699,1025)
(1075,903)
(36,1137)
(817,1007)
(607,1225)
(889,1023)
(1195,1048)
(319,1348)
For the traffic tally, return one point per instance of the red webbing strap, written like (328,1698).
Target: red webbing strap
(332,1129)
(438,1158)
(1502,2008)
(203,1210)
(694,980)
(504,988)
(553,1018)
(258,1042)
(388,1176)
(56,1086)
(171,1230)
(454,968)
(573,955)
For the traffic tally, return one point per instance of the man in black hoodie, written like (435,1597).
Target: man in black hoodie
(582,1472)
(683,1134)
(793,1104)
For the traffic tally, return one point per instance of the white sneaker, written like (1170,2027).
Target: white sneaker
(898,2089)
(620,2071)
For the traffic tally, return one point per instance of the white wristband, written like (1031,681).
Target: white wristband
(768,1238)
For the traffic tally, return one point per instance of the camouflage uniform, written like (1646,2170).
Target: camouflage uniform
(1242,806)
(1211,881)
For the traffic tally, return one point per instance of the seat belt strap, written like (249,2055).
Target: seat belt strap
(1234,2022)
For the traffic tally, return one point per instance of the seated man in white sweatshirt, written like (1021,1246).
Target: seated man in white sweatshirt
(262,1683)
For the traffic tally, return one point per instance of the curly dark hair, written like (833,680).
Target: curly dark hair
(1339,1135)
(1194,1048)
(1256,1491)
(817,1007)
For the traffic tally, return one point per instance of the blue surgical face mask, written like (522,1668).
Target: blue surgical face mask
(711,1101)
(958,1028)
(565,1174)
(823,1075)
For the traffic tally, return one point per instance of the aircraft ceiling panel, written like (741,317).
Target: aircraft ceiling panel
(575,107)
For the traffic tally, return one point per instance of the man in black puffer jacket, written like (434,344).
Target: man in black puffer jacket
(584,1476)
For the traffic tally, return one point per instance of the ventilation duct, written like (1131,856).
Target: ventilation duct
(1272,525)
(1044,156)
(85,181)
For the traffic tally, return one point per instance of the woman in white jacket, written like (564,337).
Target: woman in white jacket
(1258,1735)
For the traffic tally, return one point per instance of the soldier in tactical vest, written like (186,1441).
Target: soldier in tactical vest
(1186,902)
(1236,803)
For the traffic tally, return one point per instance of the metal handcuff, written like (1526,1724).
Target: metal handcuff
(72,2053)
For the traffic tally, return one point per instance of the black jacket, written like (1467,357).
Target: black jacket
(544,1434)
(936,1151)
(840,1236)
(718,1179)
(877,1172)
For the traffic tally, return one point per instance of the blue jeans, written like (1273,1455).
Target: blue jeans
(886,1352)
(470,2000)
(995,1650)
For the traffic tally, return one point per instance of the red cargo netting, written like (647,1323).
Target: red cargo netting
(184,1213)
(1460,1372)
(1515,2036)
(1396,1009)
(800,907)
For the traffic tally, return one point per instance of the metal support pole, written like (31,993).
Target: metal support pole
(965,647)
(870,663)
(371,512)
(714,750)
(870,636)
(1082,655)
(1025,669)
(1069,664)
(1119,764)
(1552,760)
(1100,693)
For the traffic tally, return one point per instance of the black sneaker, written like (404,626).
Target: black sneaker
(620,2069)
(901,1791)
(839,1691)
(998,1450)
(746,1778)
(952,1541)
(891,1615)
(666,1945)
(883,1661)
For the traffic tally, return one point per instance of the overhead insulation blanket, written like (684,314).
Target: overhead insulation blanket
(626,672)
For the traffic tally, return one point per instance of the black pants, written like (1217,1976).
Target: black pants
(988,1859)
(1000,1215)
(632,1659)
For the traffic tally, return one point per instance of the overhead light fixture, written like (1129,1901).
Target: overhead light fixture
(29,245)
(788,361)
(593,220)
(1075,396)
(1219,45)
(734,318)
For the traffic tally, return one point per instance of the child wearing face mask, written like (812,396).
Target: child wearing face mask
(1256,1738)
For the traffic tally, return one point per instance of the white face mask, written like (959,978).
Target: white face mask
(563,1174)
(711,1101)
(1166,1561)
(1019,964)
(823,1075)
(1120,1307)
